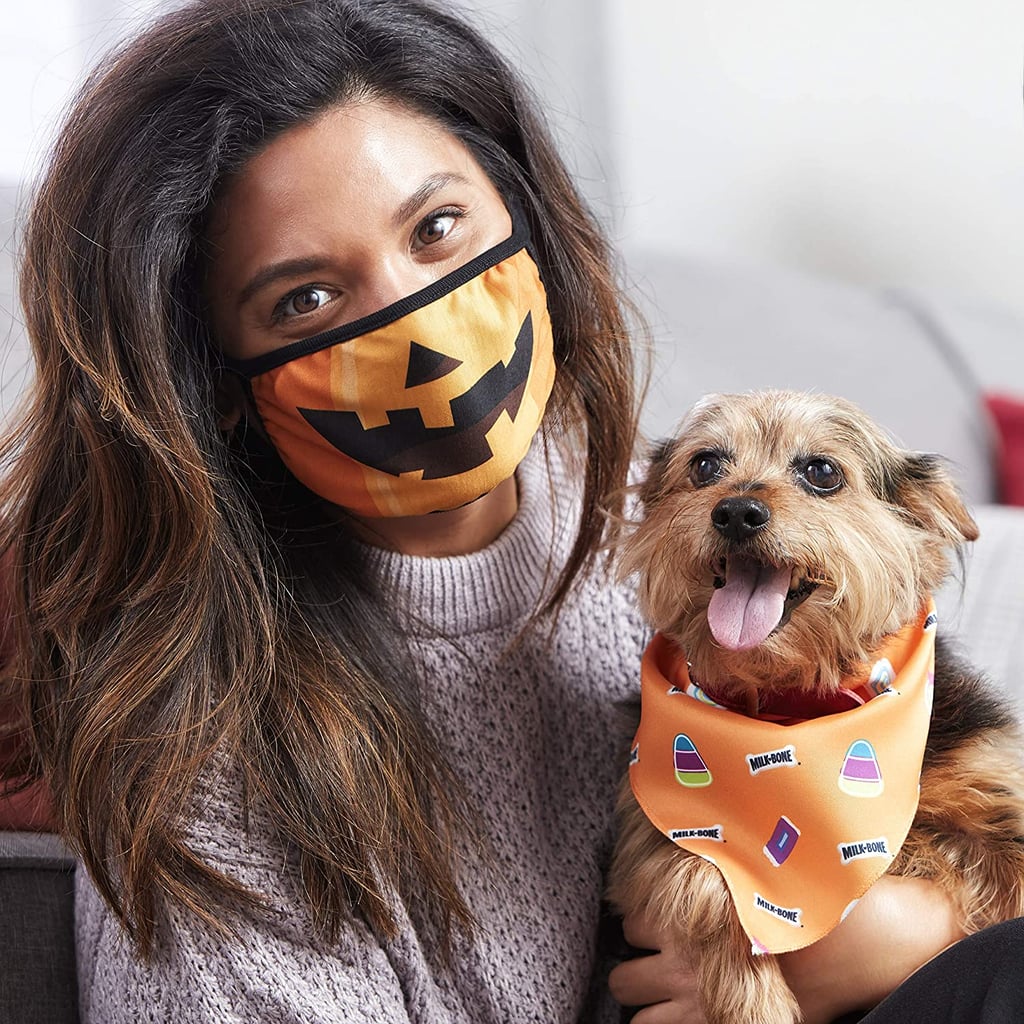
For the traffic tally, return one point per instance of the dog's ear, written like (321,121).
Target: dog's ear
(653,487)
(921,485)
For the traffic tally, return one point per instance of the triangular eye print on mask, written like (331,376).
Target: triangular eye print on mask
(405,444)
(425,405)
(426,365)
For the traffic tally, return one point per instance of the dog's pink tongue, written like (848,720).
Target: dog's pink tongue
(743,612)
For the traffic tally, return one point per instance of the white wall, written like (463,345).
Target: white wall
(560,48)
(45,48)
(47,45)
(879,141)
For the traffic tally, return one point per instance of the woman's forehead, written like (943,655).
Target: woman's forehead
(357,164)
(362,151)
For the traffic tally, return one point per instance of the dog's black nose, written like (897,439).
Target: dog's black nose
(739,518)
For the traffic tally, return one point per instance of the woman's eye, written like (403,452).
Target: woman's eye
(705,468)
(435,227)
(822,475)
(308,300)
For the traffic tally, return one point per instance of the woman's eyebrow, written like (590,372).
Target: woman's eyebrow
(411,206)
(274,271)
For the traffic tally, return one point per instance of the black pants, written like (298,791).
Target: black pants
(980,979)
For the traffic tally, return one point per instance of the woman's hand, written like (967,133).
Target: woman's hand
(662,982)
(898,926)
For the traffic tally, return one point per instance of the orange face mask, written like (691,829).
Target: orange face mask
(800,818)
(424,405)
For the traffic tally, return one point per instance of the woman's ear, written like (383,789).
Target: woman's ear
(230,401)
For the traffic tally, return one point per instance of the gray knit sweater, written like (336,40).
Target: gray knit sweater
(539,737)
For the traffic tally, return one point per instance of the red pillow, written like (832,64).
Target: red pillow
(31,809)
(1008,414)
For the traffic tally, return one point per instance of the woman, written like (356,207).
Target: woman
(317,649)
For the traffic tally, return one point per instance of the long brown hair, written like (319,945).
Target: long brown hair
(171,600)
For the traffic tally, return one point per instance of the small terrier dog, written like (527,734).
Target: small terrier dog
(784,540)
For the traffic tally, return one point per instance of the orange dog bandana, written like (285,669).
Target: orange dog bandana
(425,405)
(799,818)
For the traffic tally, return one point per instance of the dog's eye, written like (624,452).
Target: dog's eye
(705,468)
(822,475)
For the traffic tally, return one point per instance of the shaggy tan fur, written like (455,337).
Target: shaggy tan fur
(863,555)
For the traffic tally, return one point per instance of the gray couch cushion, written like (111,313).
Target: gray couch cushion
(14,354)
(37,950)
(985,610)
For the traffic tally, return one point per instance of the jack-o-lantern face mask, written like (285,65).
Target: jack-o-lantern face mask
(424,405)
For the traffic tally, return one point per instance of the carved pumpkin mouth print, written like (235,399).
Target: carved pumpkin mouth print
(424,406)
(405,444)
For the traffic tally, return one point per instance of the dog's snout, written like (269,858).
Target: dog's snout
(739,518)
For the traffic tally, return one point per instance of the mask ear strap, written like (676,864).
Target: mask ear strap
(521,229)
(228,397)
(236,388)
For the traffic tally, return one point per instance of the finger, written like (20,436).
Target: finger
(641,933)
(669,1013)
(643,980)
